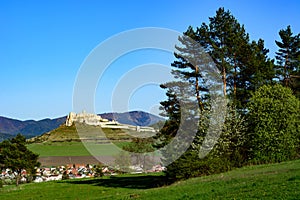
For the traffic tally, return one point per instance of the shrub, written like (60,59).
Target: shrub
(273,125)
(98,171)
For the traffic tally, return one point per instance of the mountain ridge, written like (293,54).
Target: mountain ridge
(30,128)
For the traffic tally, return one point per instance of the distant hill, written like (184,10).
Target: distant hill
(30,128)
(4,136)
(135,118)
(70,133)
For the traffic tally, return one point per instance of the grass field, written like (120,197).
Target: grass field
(59,149)
(72,148)
(275,181)
(65,141)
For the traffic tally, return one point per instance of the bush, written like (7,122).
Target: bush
(190,165)
(273,125)
(98,171)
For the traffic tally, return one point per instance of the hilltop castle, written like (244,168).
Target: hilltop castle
(87,118)
(96,120)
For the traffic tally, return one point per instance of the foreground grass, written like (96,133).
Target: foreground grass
(275,181)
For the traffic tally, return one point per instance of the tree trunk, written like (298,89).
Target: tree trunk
(197,89)
(224,81)
(18,178)
(234,77)
(223,67)
(285,70)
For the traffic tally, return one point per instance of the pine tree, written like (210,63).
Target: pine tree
(191,60)
(243,65)
(218,38)
(255,70)
(288,59)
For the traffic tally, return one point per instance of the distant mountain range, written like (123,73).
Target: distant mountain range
(30,128)
(135,118)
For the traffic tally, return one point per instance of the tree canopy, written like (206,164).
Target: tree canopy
(15,156)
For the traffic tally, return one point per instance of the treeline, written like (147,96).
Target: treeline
(262,112)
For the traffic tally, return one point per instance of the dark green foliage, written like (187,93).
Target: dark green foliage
(255,70)
(227,153)
(260,68)
(224,39)
(98,170)
(190,165)
(185,167)
(272,133)
(227,42)
(15,156)
(288,59)
(244,65)
(190,64)
(274,128)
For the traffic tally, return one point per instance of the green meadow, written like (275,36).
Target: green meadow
(73,148)
(273,181)
(65,141)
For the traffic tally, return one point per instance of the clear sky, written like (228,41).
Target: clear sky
(43,44)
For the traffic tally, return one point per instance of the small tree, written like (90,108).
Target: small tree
(98,170)
(65,175)
(140,149)
(273,125)
(123,161)
(15,155)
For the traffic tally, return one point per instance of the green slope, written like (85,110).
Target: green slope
(70,133)
(65,141)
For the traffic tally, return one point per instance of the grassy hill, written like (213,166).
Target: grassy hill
(70,133)
(274,181)
(65,141)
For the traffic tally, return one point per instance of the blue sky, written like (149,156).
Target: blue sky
(43,44)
